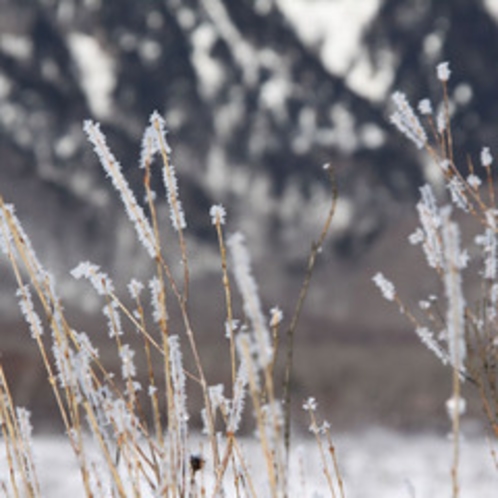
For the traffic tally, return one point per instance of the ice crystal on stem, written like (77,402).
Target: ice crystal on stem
(113,169)
(310,405)
(218,214)
(386,287)
(405,119)
(249,290)
(486,157)
(443,71)
(455,315)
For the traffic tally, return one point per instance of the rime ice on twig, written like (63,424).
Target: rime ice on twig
(425,107)
(385,286)
(177,214)
(455,315)
(100,281)
(155,294)
(443,71)
(276,316)
(113,169)
(249,290)
(111,312)
(128,369)
(429,235)
(310,405)
(218,214)
(486,157)
(154,142)
(490,247)
(28,311)
(237,404)
(11,234)
(405,119)
(458,195)
(178,376)
(427,338)
(135,288)
(150,143)
(474,181)
(441,121)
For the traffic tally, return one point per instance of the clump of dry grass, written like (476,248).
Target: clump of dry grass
(156,455)
(456,323)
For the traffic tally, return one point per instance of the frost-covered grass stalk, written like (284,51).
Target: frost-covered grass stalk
(460,325)
(140,423)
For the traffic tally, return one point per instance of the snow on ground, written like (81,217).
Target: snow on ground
(374,464)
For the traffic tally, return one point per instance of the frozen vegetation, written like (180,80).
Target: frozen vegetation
(129,438)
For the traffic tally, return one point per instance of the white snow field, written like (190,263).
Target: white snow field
(375,463)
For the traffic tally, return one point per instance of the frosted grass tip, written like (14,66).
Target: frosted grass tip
(443,71)
(486,157)
(425,107)
(276,316)
(385,286)
(310,405)
(218,214)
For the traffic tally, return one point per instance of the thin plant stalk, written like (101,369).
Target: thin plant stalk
(315,251)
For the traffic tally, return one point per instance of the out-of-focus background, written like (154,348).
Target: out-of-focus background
(257,96)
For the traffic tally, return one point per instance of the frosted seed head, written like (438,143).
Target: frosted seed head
(425,107)
(218,214)
(276,316)
(441,121)
(405,119)
(128,368)
(310,405)
(417,237)
(135,288)
(443,71)
(474,181)
(486,157)
(386,287)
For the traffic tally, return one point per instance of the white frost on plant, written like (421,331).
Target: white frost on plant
(276,316)
(28,311)
(457,192)
(486,157)
(443,71)
(474,181)
(250,296)
(237,404)
(310,405)
(128,369)
(386,286)
(425,107)
(441,121)
(218,214)
(135,288)
(405,119)
(489,246)
(113,170)
(430,219)
(100,281)
(114,325)
(455,313)
(156,300)
(178,381)
(428,339)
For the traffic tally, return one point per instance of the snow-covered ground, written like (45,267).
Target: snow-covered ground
(374,463)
